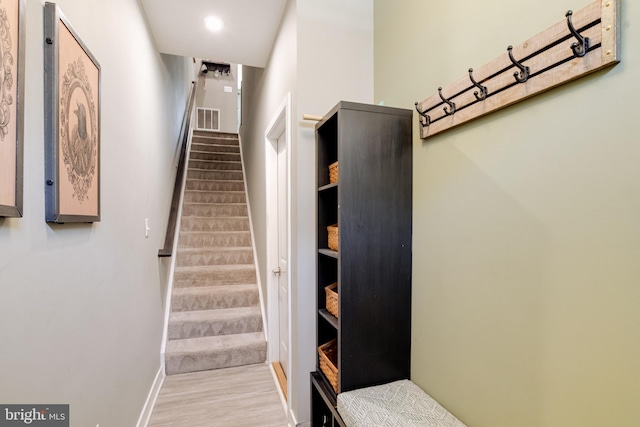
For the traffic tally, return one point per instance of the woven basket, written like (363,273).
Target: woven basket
(332,298)
(333,172)
(333,237)
(328,355)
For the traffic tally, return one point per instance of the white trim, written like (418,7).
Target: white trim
(280,124)
(149,404)
(291,419)
(172,267)
(253,241)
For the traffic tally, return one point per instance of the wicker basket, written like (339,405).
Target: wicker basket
(333,237)
(332,298)
(328,355)
(333,172)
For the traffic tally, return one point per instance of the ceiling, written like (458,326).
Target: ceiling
(247,37)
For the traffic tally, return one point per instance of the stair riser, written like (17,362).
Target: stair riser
(214,224)
(202,361)
(212,240)
(214,141)
(214,211)
(206,150)
(223,157)
(215,175)
(207,257)
(199,185)
(236,276)
(214,197)
(241,325)
(214,300)
(215,165)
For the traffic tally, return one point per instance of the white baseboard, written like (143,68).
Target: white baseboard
(145,415)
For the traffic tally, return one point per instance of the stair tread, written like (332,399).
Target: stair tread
(216,204)
(214,314)
(215,191)
(214,289)
(226,181)
(217,218)
(215,232)
(213,170)
(214,343)
(192,250)
(223,218)
(214,160)
(213,268)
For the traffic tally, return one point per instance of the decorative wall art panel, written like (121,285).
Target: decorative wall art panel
(12,44)
(72,123)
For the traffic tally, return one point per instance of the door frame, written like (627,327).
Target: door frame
(279,125)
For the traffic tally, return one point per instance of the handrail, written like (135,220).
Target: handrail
(167,250)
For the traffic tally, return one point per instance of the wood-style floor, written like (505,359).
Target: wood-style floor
(245,396)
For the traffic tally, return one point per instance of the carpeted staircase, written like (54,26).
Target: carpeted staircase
(215,319)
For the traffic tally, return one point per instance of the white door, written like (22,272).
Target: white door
(282,268)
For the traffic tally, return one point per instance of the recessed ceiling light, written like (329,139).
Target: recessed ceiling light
(214,23)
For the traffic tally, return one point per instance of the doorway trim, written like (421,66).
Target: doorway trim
(280,125)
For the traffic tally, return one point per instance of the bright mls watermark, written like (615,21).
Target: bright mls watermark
(34,415)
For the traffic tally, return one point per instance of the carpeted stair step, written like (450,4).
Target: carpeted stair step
(222,157)
(214,275)
(191,257)
(208,154)
(201,149)
(205,323)
(225,351)
(196,223)
(206,185)
(214,175)
(190,239)
(214,209)
(212,297)
(193,196)
(215,164)
(204,144)
(211,139)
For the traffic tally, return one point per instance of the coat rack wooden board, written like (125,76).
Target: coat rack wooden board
(586,41)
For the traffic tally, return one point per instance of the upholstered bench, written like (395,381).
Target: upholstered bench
(397,404)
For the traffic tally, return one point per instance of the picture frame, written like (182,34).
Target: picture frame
(72,123)
(12,71)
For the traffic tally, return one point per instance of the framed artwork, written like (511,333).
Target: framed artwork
(12,45)
(72,123)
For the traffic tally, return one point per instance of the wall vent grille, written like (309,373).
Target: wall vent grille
(208,119)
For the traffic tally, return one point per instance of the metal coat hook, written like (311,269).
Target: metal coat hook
(427,119)
(483,89)
(523,75)
(452,105)
(581,47)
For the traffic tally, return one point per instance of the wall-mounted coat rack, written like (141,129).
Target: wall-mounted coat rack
(583,42)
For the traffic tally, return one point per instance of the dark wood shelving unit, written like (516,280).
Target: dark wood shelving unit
(372,204)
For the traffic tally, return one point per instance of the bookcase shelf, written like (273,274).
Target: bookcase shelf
(372,204)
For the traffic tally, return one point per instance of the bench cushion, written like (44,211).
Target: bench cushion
(397,404)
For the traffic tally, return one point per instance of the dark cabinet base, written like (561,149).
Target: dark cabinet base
(323,403)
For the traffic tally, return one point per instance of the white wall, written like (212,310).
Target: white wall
(526,238)
(263,91)
(211,94)
(81,306)
(323,54)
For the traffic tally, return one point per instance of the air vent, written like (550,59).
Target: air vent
(208,119)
